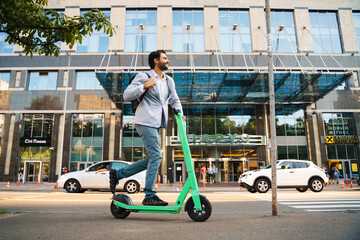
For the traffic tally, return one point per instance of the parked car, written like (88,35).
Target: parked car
(80,181)
(299,174)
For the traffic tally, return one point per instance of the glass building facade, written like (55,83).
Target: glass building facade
(317,107)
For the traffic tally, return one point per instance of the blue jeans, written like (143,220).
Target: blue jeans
(152,143)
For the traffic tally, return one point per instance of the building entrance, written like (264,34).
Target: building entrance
(345,169)
(32,171)
(179,170)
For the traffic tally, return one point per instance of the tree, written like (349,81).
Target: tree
(36,29)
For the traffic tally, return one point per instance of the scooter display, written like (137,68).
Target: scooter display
(197,206)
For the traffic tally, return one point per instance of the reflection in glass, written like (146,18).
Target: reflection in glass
(4,80)
(238,39)
(325,30)
(146,42)
(97,42)
(188,39)
(42,81)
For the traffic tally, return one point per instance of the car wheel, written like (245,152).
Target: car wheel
(316,185)
(262,185)
(252,190)
(72,186)
(132,187)
(302,189)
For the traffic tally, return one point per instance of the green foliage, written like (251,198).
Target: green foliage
(37,30)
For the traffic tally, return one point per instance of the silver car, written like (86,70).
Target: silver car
(89,178)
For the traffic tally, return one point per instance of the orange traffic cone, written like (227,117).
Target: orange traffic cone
(8,185)
(18,182)
(180,185)
(55,187)
(240,188)
(342,184)
(38,180)
(351,185)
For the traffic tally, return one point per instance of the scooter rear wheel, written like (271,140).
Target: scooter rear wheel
(120,212)
(199,216)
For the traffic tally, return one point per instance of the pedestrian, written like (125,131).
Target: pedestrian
(65,170)
(211,174)
(336,175)
(21,175)
(215,171)
(203,173)
(331,174)
(151,115)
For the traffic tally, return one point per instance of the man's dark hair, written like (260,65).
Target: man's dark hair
(155,55)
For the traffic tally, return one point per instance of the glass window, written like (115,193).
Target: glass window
(338,124)
(140,39)
(118,165)
(87,81)
(356,16)
(87,138)
(283,38)
(97,42)
(42,80)
(132,145)
(5,48)
(4,80)
(300,165)
(188,31)
(39,125)
(290,124)
(234,31)
(98,166)
(325,32)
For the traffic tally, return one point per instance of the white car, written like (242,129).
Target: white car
(299,174)
(80,181)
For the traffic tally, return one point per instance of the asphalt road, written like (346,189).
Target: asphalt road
(235,215)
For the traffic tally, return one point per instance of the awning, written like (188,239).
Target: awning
(236,87)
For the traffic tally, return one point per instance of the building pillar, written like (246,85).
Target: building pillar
(118,18)
(258,28)
(71,12)
(347,30)
(303,37)
(164,27)
(58,148)
(112,137)
(211,25)
(316,138)
(9,145)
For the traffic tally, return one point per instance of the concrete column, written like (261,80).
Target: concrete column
(257,27)
(9,145)
(112,137)
(317,159)
(308,138)
(58,148)
(347,30)
(71,12)
(211,18)
(164,27)
(118,18)
(303,37)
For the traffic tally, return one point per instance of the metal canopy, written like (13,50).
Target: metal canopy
(235,87)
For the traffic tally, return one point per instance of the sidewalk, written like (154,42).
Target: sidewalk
(172,187)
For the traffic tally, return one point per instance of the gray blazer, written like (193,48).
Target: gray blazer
(150,109)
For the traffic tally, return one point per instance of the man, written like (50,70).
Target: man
(151,115)
(215,171)
(211,176)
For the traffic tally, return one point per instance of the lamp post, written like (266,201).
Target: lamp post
(272,143)
(64,113)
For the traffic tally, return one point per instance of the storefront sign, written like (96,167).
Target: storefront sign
(35,142)
(341,139)
(219,140)
(354,167)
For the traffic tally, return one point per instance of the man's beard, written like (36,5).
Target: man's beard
(163,67)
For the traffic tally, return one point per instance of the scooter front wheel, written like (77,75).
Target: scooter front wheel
(120,212)
(199,216)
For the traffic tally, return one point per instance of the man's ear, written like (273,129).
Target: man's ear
(156,61)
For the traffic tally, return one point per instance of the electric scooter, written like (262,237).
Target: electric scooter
(197,206)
